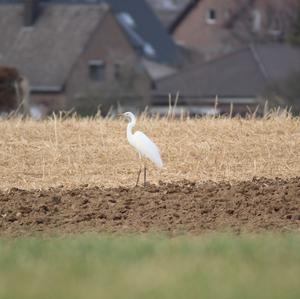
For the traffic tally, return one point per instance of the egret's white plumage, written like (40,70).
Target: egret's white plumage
(142,143)
(146,147)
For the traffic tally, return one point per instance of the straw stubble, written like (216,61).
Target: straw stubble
(75,151)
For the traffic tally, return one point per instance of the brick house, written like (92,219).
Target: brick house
(217,27)
(80,53)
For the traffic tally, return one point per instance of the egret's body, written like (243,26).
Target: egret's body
(143,144)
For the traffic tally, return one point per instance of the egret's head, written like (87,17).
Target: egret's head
(129,116)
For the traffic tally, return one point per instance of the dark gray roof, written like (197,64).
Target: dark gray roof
(279,60)
(147,35)
(149,29)
(46,52)
(166,17)
(244,73)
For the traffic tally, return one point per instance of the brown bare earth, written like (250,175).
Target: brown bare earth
(251,206)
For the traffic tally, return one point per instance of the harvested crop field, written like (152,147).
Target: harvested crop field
(74,151)
(185,207)
(78,175)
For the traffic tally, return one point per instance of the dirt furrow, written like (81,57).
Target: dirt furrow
(181,207)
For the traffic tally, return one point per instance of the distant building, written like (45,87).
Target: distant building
(81,53)
(241,79)
(218,27)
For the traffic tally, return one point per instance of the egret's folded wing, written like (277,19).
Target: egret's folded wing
(147,148)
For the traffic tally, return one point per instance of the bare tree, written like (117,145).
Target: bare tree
(256,20)
(294,36)
(14,91)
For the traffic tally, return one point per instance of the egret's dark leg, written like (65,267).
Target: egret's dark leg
(140,170)
(145,175)
(138,178)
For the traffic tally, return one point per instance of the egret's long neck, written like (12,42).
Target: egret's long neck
(130,126)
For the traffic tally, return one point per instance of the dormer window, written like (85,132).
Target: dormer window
(211,17)
(96,70)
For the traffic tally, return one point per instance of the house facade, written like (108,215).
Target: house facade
(218,27)
(108,70)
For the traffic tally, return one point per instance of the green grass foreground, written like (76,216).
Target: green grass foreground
(212,266)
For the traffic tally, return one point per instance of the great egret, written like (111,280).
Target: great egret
(143,144)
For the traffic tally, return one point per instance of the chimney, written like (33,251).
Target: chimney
(31,8)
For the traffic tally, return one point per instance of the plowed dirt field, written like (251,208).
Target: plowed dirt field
(175,208)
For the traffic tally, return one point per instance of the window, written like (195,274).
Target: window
(96,70)
(211,16)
